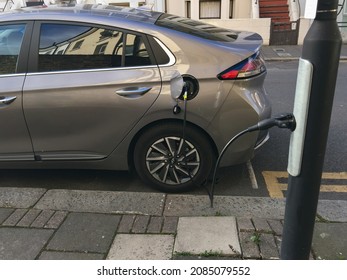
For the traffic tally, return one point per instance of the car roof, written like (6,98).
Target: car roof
(141,20)
(83,12)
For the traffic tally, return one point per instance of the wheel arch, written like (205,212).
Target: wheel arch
(165,121)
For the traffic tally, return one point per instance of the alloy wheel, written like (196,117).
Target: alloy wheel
(172,160)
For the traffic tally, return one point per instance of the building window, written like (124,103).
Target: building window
(210,9)
(231,9)
(78,45)
(188,9)
(32,3)
(100,49)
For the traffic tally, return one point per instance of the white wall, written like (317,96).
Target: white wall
(305,23)
(242,21)
(176,7)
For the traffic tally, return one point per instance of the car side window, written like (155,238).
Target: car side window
(136,53)
(77,47)
(11,37)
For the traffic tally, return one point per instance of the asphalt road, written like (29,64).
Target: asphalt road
(280,84)
(264,176)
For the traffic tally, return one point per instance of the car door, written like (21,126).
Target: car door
(15,143)
(87,88)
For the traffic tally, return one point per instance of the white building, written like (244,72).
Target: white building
(234,14)
(247,14)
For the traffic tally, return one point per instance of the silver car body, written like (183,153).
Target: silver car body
(76,119)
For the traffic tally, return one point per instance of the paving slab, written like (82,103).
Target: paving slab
(85,232)
(250,249)
(281,52)
(42,219)
(276,226)
(22,243)
(20,197)
(330,241)
(268,247)
(141,247)
(207,235)
(170,225)
(103,202)
(52,255)
(29,218)
(140,224)
(245,224)
(126,223)
(155,225)
(15,217)
(56,219)
(333,210)
(199,205)
(4,214)
(262,225)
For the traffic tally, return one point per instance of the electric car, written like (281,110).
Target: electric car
(114,88)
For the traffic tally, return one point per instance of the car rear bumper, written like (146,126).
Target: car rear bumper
(262,139)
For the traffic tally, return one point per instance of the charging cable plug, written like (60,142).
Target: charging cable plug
(176,109)
(283,120)
(184,96)
(286,120)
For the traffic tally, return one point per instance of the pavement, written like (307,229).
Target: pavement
(67,224)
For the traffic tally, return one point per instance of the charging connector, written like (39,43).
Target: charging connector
(284,120)
(183,96)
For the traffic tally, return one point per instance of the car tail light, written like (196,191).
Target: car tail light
(250,67)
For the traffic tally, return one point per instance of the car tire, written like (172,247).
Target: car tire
(164,162)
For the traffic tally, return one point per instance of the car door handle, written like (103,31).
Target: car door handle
(4,100)
(133,91)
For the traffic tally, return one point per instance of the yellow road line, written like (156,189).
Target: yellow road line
(276,189)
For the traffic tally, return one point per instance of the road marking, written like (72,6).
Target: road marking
(276,188)
(252,175)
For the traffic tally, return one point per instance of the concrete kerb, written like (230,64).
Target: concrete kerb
(103,202)
(158,204)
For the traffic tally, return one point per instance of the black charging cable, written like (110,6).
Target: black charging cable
(284,120)
(176,110)
(185,99)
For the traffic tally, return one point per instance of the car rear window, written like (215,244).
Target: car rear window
(197,28)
